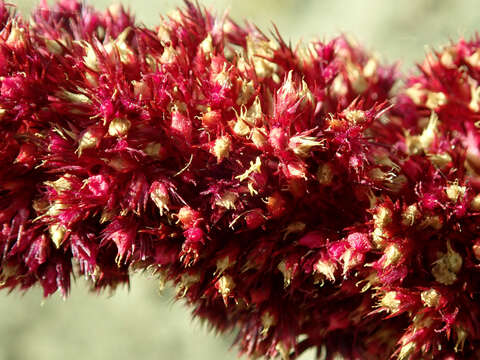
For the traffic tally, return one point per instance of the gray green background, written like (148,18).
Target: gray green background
(139,323)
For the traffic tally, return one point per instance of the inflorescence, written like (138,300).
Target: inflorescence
(287,193)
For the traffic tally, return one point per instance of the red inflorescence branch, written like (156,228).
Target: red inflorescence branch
(287,193)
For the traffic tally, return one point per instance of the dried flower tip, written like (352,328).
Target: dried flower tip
(430,298)
(40,206)
(355,117)
(155,150)
(476,249)
(302,145)
(276,205)
(474,59)
(222,148)
(406,350)
(435,100)
(448,57)
(206,46)
(326,268)
(141,89)
(287,273)
(350,259)
(159,195)
(445,269)
(325,174)
(416,93)
(339,86)
(169,55)
(268,320)
(119,163)
(433,221)
(188,217)
(461,335)
(57,234)
(223,264)
(392,255)
(62,184)
(475,203)
(379,236)
(258,51)
(163,34)
(382,217)
(223,78)
(259,138)
(227,200)
(187,280)
(246,92)
(254,113)
(370,68)
(120,47)
(107,215)
(474,104)
(418,144)
(88,140)
(225,285)
(16,38)
(294,227)
(56,208)
(355,75)
(254,219)
(90,58)
(241,128)
(370,281)
(455,192)
(441,160)
(254,167)
(391,180)
(277,138)
(75,97)
(119,127)
(390,302)
(411,215)
(211,119)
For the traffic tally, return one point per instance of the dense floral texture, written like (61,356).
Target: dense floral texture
(285,192)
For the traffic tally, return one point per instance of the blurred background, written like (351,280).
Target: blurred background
(140,323)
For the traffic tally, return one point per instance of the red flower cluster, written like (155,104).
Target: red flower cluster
(285,192)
